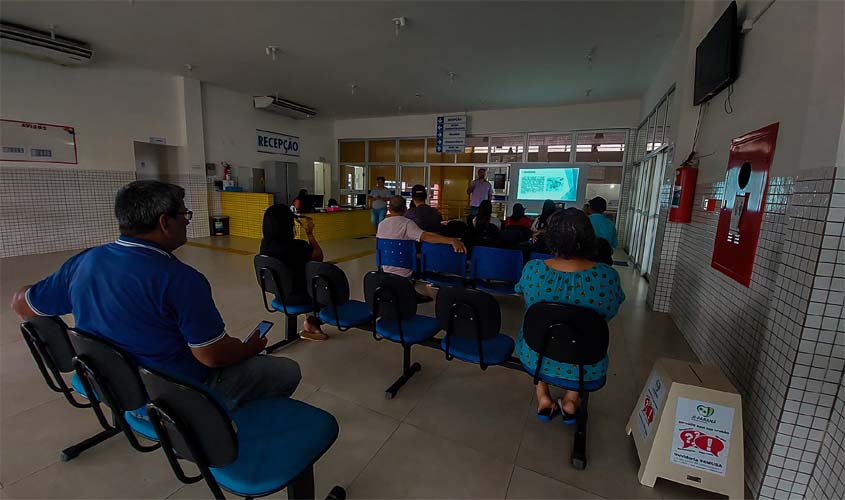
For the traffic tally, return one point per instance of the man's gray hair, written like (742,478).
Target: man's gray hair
(139,204)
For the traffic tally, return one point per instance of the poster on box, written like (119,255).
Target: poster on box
(702,436)
(652,402)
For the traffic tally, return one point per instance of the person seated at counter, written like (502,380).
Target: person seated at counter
(379,196)
(397,227)
(136,294)
(279,242)
(570,277)
(427,217)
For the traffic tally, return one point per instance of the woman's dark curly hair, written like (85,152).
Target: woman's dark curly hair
(569,234)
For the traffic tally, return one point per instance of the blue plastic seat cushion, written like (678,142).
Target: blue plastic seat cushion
(277,439)
(352,313)
(76,383)
(417,329)
(140,423)
(293,308)
(496,350)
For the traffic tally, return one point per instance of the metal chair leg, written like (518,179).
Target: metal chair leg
(72,452)
(291,335)
(408,371)
(579,445)
(303,486)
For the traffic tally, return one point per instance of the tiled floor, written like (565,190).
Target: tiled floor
(452,432)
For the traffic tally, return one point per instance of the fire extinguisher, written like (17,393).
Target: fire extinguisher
(227,172)
(680,209)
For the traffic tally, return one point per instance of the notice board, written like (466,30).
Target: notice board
(37,142)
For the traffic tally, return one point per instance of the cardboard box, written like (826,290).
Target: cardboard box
(687,427)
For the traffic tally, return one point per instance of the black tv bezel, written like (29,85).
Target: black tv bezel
(732,13)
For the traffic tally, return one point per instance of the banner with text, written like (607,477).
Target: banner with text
(275,143)
(37,142)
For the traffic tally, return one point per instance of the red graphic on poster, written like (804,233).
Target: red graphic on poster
(710,444)
(648,410)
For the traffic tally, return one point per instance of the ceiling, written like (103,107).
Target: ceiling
(503,54)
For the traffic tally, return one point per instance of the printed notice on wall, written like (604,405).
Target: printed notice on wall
(702,435)
(652,402)
(37,142)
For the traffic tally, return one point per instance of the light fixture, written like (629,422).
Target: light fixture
(613,186)
(353,88)
(398,24)
(189,68)
(451,78)
(418,95)
(272,50)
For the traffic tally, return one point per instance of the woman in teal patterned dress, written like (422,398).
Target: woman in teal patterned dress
(570,277)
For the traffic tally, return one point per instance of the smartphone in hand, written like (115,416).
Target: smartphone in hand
(261,330)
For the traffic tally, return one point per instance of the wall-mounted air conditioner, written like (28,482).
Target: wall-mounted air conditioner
(283,107)
(44,45)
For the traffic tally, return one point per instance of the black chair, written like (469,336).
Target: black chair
(329,290)
(110,376)
(392,300)
(455,229)
(275,278)
(48,342)
(568,334)
(261,448)
(471,320)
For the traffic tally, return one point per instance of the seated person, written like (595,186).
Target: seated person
(539,227)
(279,242)
(485,216)
(427,218)
(602,225)
(518,217)
(300,203)
(397,227)
(138,295)
(332,202)
(568,278)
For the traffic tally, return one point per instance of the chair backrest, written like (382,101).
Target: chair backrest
(513,236)
(49,336)
(464,312)
(193,422)
(390,296)
(273,277)
(441,258)
(397,253)
(541,256)
(566,333)
(327,283)
(497,264)
(112,373)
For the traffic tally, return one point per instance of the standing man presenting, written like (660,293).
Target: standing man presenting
(379,196)
(479,190)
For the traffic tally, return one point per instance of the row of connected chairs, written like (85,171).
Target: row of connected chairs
(491,269)
(470,319)
(261,448)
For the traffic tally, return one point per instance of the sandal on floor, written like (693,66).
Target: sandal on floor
(568,418)
(315,336)
(548,414)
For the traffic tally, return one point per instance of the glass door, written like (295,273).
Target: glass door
(447,189)
(352,185)
(411,175)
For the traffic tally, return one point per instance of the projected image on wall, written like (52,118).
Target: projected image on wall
(548,183)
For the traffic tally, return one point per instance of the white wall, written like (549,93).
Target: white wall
(791,72)
(109,105)
(546,119)
(230,123)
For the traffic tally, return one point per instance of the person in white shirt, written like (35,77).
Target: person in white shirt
(397,227)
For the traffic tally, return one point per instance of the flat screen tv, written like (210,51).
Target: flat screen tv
(717,57)
(559,184)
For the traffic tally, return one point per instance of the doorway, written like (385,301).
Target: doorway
(156,162)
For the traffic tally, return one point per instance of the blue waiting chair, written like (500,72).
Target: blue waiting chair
(275,278)
(49,344)
(540,256)
(496,270)
(392,300)
(471,320)
(109,376)
(260,448)
(440,265)
(568,334)
(397,253)
(329,290)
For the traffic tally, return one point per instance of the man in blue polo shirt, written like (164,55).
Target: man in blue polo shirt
(137,294)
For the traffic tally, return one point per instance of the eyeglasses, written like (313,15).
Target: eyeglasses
(187,213)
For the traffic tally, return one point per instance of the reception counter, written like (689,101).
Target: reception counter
(246,214)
